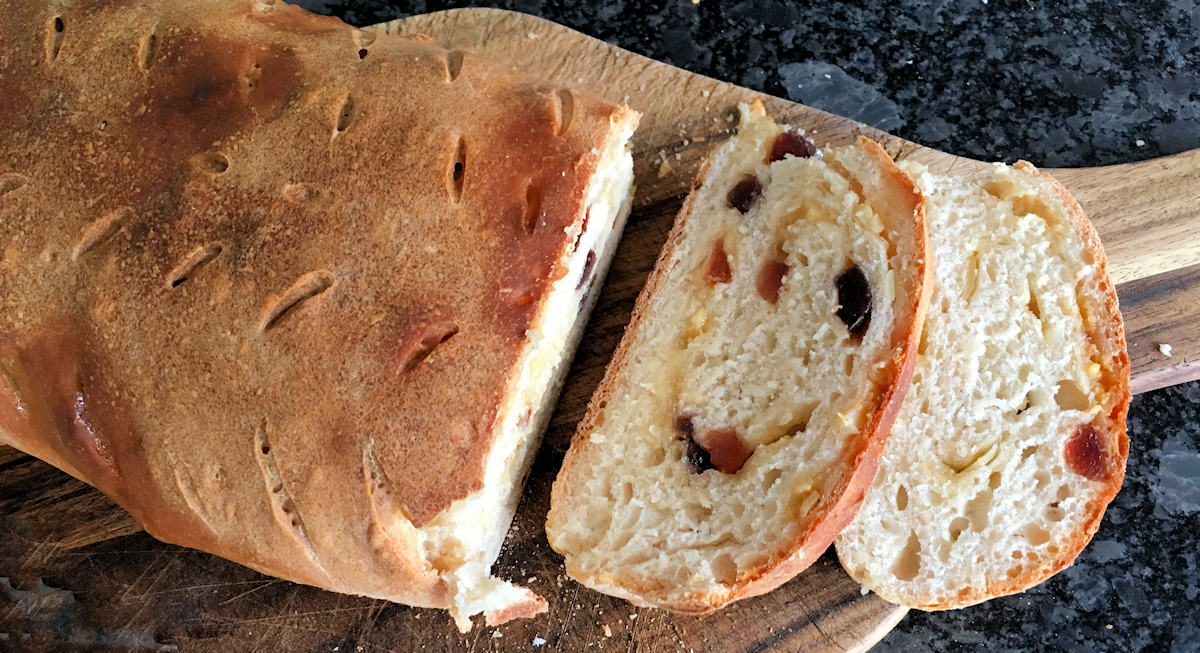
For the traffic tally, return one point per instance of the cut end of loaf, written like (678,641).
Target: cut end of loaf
(463,542)
(1012,440)
(745,402)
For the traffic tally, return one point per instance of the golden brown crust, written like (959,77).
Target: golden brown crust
(237,219)
(839,505)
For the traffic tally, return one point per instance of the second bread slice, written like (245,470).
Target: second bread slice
(1012,441)
(738,425)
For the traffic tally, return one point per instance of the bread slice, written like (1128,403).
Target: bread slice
(737,426)
(1012,440)
(293,293)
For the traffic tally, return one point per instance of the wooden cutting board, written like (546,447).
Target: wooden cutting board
(77,569)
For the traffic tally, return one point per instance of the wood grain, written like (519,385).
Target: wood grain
(136,592)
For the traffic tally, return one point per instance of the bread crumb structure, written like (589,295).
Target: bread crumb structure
(1012,440)
(738,423)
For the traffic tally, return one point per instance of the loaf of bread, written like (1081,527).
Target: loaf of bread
(1012,440)
(294,293)
(737,427)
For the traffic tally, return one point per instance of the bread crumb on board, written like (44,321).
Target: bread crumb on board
(664,169)
(1165,349)
(538,641)
(607,631)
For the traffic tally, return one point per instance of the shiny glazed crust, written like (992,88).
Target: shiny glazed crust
(265,278)
(847,489)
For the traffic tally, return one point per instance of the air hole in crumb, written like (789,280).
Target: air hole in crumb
(1071,397)
(1063,492)
(971,280)
(697,513)
(1041,479)
(362,53)
(1036,535)
(801,416)
(957,526)
(725,570)
(901,498)
(266,448)
(994,480)
(977,509)
(1015,571)
(924,345)
(770,477)
(1055,514)
(1033,304)
(54,38)
(944,551)
(908,564)
(1029,205)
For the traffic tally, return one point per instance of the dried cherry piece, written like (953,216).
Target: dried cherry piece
(854,300)
(1085,453)
(726,450)
(770,279)
(718,270)
(791,143)
(744,193)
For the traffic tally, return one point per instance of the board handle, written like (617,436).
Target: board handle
(1147,213)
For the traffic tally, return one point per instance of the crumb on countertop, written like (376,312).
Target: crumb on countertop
(1165,349)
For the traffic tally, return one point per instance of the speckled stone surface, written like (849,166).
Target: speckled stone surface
(1074,84)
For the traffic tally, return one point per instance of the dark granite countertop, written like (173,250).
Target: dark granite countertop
(1077,84)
